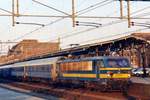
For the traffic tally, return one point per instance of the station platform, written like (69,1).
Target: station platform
(141,80)
(6,94)
(140,88)
(11,93)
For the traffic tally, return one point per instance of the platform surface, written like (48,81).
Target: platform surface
(141,80)
(6,94)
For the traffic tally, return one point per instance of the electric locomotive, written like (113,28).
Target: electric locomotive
(97,72)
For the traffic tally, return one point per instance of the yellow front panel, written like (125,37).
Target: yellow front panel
(114,76)
(80,75)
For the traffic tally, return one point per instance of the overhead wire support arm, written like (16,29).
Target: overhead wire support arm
(97,25)
(140,24)
(89,23)
(31,24)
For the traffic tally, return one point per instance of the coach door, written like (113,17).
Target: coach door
(53,71)
(99,65)
(25,72)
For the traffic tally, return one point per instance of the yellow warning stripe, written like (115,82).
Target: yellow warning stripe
(79,75)
(115,68)
(114,76)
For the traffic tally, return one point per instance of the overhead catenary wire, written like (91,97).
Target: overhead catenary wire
(81,3)
(6,10)
(73,33)
(144,14)
(66,36)
(94,7)
(22,15)
(90,29)
(141,10)
(20,37)
(101,2)
(86,30)
(111,23)
(51,7)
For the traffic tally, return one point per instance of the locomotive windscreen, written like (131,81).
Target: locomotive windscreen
(119,62)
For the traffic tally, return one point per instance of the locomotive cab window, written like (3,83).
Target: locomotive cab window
(118,62)
(100,63)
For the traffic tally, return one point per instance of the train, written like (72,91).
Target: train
(100,72)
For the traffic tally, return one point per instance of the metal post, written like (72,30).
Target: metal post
(17,4)
(13,13)
(143,61)
(121,9)
(128,10)
(1,46)
(59,43)
(73,13)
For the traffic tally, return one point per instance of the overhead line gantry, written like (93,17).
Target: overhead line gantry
(15,12)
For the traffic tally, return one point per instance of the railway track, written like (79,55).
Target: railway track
(80,93)
(68,93)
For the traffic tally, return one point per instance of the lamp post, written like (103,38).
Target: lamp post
(143,60)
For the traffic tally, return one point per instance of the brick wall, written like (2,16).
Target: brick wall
(29,48)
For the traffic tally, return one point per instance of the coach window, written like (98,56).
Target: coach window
(71,66)
(64,67)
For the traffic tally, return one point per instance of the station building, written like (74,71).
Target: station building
(29,48)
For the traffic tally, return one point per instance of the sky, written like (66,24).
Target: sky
(63,29)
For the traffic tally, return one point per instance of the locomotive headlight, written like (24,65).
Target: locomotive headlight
(129,75)
(109,74)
